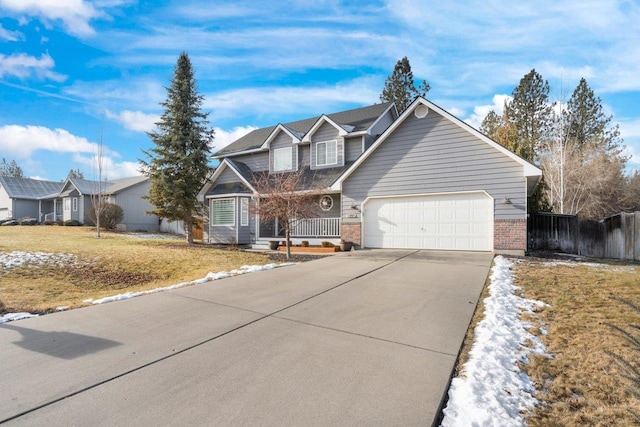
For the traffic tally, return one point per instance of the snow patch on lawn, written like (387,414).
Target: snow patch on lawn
(14,259)
(612,267)
(493,391)
(9,260)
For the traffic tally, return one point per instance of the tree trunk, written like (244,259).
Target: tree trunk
(188,229)
(287,235)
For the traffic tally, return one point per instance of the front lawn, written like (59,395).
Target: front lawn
(46,267)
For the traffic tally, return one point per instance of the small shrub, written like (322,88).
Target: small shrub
(327,244)
(49,222)
(304,243)
(71,223)
(110,215)
(28,221)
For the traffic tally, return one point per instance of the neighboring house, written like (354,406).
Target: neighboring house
(26,197)
(77,196)
(423,180)
(73,198)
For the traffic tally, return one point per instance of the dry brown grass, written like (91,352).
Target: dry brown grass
(112,264)
(581,384)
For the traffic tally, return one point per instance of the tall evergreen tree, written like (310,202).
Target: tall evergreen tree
(587,122)
(400,87)
(10,169)
(530,113)
(178,163)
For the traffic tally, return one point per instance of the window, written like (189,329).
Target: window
(244,212)
(282,159)
(75,204)
(326,203)
(326,153)
(67,204)
(223,212)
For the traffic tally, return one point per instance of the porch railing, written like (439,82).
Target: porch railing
(52,217)
(316,227)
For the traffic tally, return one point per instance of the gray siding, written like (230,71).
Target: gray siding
(325,132)
(135,207)
(227,177)
(382,124)
(304,156)
(352,148)
(255,161)
(433,155)
(25,208)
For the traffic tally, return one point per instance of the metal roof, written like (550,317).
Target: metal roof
(28,188)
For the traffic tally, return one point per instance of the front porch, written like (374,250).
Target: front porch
(311,230)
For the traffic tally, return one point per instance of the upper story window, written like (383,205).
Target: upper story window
(282,159)
(327,153)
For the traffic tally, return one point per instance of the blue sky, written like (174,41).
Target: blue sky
(77,72)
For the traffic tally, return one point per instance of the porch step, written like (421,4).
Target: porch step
(260,246)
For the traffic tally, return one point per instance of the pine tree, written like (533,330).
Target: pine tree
(75,173)
(400,87)
(530,113)
(178,163)
(10,169)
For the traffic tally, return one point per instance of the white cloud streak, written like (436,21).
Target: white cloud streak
(23,66)
(74,14)
(112,169)
(135,120)
(23,141)
(11,36)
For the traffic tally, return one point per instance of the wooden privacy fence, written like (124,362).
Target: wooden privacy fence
(615,237)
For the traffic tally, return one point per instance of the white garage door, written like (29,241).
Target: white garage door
(446,221)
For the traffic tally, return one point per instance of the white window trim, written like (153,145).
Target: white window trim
(244,212)
(288,156)
(74,203)
(213,223)
(326,144)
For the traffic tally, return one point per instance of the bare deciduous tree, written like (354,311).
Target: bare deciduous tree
(283,197)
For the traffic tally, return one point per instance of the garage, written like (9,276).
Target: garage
(454,221)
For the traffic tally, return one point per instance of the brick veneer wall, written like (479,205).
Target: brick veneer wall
(351,232)
(510,234)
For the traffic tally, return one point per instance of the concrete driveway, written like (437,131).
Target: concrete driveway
(363,338)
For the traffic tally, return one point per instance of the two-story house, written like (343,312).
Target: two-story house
(423,179)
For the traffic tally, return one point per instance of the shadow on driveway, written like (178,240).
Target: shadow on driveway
(63,345)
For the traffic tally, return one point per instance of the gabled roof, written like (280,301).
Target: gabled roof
(88,187)
(28,188)
(531,172)
(358,120)
(295,136)
(115,186)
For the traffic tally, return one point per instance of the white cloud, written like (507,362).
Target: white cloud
(74,14)
(135,120)
(112,169)
(136,94)
(285,100)
(11,36)
(22,66)
(481,111)
(22,141)
(224,138)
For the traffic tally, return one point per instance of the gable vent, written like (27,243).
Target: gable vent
(421,111)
